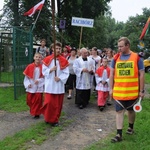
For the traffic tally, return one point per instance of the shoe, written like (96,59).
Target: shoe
(69,97)
(36,117)
(116,139)
(55,124)
(109,103)
(81,107)
(129,131)
(101,108)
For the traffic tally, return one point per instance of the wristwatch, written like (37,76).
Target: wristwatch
(142,91)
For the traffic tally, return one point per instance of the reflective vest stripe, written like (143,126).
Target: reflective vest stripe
(126,84)
(123,95)
(126,80)
(125,88)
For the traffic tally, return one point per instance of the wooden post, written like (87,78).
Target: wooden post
(54,36)
(80,37)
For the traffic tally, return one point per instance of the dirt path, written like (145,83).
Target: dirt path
(10,123)
(82,132)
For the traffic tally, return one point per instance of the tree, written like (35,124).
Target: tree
(14,11)
(80,8)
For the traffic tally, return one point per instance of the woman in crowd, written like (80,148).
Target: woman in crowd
(72,77)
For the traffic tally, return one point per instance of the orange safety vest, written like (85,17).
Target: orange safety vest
(126,78)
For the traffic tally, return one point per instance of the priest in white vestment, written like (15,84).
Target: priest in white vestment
(84,68)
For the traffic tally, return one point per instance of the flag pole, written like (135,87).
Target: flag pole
(36,20)
(54,36)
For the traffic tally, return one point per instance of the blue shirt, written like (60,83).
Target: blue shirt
(126,57)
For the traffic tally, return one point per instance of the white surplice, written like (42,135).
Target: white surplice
(83,79)
(51,86)
(100,86)
(35,88)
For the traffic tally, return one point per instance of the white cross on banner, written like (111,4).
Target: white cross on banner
(82,22)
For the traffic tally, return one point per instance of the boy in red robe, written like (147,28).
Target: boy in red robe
(34,85)
(56,73)
(102,80)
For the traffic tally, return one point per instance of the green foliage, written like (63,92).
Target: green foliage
(14,11)
(105,33)
(66,10)
(79,8)
(133,28)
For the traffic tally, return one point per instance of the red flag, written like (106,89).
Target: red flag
(34,9)
(145,29)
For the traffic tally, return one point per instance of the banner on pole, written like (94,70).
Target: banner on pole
(62,24)
(82,22)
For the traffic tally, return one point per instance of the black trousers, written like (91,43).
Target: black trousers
(71,81)
(82,97)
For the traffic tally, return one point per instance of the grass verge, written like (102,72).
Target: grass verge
(7,102)
(35,135)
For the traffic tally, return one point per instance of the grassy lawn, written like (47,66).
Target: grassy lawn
(147,78)
(7,102)
(6,77)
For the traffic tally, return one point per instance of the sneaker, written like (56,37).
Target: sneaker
(129,131)
(69,97)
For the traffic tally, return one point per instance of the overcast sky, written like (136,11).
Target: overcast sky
(122,9)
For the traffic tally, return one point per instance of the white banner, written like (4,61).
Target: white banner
(82,22)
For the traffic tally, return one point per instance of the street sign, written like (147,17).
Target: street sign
(62,24)
(82,22)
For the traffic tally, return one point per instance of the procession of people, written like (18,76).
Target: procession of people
(117,78)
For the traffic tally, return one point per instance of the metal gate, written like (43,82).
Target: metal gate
(16,52)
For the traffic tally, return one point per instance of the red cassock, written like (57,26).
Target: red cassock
(52,107)
(102,95)
(34,97)
(53,101)
(34,101)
